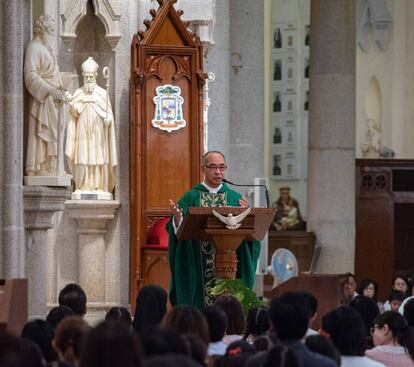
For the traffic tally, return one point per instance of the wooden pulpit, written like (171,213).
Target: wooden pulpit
(202,224)
(13,305)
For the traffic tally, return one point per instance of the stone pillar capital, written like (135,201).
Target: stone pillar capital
(92,215)
(41,203)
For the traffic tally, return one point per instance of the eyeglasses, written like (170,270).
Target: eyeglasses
(372,330)
(214,167)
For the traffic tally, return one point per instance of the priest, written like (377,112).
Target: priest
(192,262)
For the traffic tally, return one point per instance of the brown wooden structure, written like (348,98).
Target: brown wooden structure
(13,305)
(384,220)
(328,289)
(163,164)
(302,245)
(201,224)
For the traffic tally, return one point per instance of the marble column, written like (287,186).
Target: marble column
(92,217)
(40,205)
(14,34)
(331,177)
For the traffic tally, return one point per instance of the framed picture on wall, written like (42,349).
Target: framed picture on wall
(276,165)
(307,35)
(290,37)
(290,98)
(291,167)
(290,137)
(278,68)
(276,135)
(277,39)
(277,102)
(291,68)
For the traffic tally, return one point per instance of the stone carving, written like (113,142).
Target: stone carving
(43,81)
(372,142)
(90,140)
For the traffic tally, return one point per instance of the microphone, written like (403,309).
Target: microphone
(264,187)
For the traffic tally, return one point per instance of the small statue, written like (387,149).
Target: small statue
(43,81)
(372,143)
(288,217)
(90,140)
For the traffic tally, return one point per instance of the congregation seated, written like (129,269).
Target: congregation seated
(184,336)
(74,297)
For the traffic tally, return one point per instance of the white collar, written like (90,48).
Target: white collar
(392,349)
(213,190)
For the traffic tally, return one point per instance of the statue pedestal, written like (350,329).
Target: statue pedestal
(65,181)
(92,217)
(91,195)
(40,205)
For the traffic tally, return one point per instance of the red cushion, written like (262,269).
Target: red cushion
(158,235)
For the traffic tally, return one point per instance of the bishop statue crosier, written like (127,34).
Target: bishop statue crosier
(90,139)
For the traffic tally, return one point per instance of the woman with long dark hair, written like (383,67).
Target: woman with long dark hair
(393,339)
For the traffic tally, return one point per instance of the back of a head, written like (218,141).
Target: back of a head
(234,311)
(173,360)
(70,338)
(217,322)
(324,346)
(151,306)
(112,344)
(73,296)
(409,312)
(311,300)
(119,314)
(162,340)
(57,314)
(281,356)
(368,309)
(185,320)
(257,321)
(396,296)
(346,329)
(41,333)
(289,316)
(19,352)
(198,350)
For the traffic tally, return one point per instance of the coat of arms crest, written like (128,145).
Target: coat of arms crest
(168,108)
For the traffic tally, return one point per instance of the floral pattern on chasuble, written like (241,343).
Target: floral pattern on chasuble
(208,251)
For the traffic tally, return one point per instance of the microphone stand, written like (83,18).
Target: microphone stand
(240,185)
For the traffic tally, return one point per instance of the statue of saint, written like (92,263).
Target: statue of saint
(288,217)
(43,81)
(90,139)
(372,143)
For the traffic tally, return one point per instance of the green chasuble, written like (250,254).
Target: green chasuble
(192,262)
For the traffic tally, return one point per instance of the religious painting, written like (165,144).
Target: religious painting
(277,102)
(168,108)
(277,38)
(277,70)
(277,165)
(277,135)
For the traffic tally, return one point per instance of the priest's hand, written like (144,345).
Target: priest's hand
(243,202)
(176,211)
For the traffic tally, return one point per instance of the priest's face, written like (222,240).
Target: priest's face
(214,168)
(89,82)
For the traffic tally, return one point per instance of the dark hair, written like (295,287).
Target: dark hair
(197,347)
(311,300)
(368,309)
(400,329)
(171,360)
(365,284)
(119,313)
(72,332)
(346,329)
(263,343)
(159,340)
(350,275)
(396,295)
(289,316)
(281,356)
(234,311)
(57,314)
(187,320)
(322,345)
(409,312)
(257,321)
(74,297)
(151,306)
(41,333)
(112,344)
(18,352)
(217,322)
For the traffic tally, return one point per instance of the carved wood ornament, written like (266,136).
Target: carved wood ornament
(163,164)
